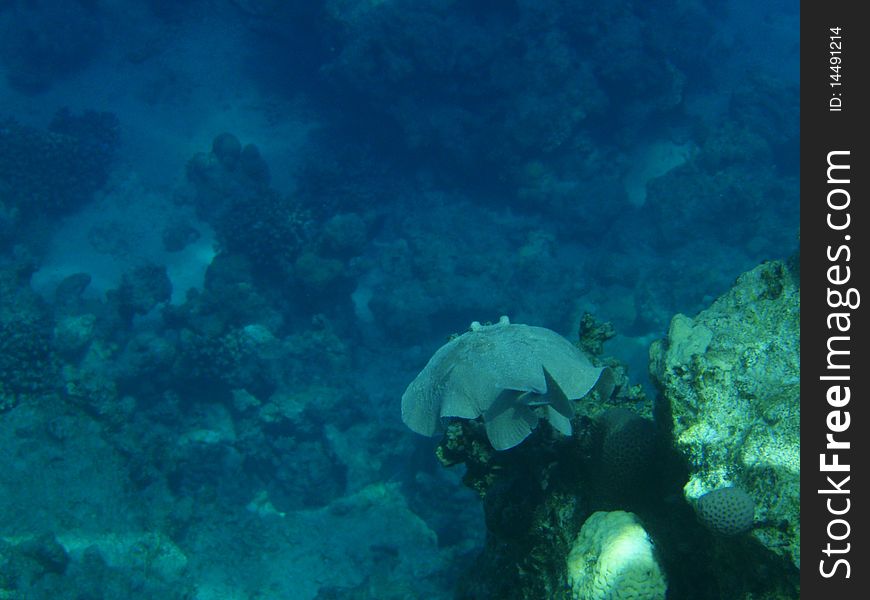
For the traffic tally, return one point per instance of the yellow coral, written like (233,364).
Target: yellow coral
(613,559)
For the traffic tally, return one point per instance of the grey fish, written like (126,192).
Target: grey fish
(504,373)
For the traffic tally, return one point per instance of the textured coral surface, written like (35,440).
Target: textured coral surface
(730,378)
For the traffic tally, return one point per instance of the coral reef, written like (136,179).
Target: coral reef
(93,564)
(628,448)
(737,169)
(275,232)
(537,495)
(43,42)
(141,290)
(613,558)
(57,170)
(729,378)
(220,182)
(28,364)
(177,236)
(190,366)
(344,235)
(728,510)
(386,61)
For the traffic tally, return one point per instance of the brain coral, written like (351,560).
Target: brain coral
(627,449)
(613,559)
(728,510)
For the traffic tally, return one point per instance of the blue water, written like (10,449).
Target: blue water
(232,232)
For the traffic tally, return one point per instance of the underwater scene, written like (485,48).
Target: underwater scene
(399,299)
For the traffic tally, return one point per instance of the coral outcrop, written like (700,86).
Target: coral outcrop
(43,42)
(730,380)
(56,170)
(537,495)
(28,364)
(277,233)
(613,558)
(727,421)
(728,510)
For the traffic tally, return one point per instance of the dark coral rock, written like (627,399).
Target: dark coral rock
(229,300)
(47,552)
(593,334)
(253,165)
(28,365)
(73,335)
(69,291)
(318,274)
(226,176)
(691,202)
(334,180)
(232,193)
(203,171)
(227,148)
(43,41)
(99,133)
(770,108)
(147,359)
(503,83)
(344,235)
(270,229)
(58,170)
(532,500)
(141,290)
(178,236)
(220,363)
(745,165)
(313,480)
(464,442)
(628,449)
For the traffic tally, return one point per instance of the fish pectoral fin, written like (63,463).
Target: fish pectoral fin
(559,422)
(510,427)
(506,399)
(556,398)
